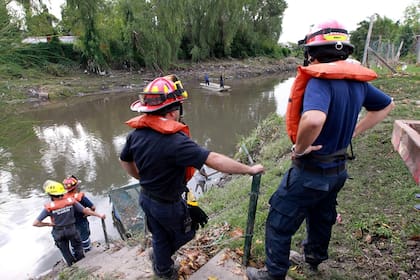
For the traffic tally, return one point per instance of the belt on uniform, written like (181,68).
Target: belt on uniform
(319,170)
(158,199)
(64,227)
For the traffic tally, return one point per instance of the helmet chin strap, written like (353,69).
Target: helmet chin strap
(181,113)
(307,59)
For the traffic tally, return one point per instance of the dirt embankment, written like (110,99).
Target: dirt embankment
(79,83)
(239,69)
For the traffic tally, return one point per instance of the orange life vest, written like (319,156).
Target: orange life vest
(58,204)
(76,195)
(337,70)
(164,126)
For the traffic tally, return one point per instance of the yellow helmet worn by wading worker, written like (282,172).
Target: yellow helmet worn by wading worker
(71,182)
(160,93)
(54,188)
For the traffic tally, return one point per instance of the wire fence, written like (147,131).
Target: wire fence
(389,51)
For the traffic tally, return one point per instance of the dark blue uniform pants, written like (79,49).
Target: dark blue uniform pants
(166,223)
(301,195)
(66,236)
(82,226)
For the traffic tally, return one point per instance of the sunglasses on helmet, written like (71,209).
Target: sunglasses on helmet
(157,98)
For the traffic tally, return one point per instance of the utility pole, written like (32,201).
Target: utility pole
(372,18)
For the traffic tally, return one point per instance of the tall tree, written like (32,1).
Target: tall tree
(264,19)
(410,30)
(412,16)
(41,23)
(38,20)
(151,30)
(156,33)
(85,14)
(170,24)
(126,39)
(198,29)
(220,28)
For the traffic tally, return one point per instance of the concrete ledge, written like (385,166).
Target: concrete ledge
(406,141)
(220,267)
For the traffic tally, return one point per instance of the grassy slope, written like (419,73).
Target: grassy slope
(373,241)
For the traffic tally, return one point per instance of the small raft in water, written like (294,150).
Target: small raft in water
(214,87)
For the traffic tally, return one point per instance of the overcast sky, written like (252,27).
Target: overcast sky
(301,14)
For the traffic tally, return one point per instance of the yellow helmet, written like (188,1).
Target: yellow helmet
(54,188)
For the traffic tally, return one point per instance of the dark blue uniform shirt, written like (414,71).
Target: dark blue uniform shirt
(63,216)
(341,101)
(85,203)
(162,160)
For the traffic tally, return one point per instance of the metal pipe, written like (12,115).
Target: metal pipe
(252,209)
(105,233)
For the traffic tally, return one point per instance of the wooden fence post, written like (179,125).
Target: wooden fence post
(365,52)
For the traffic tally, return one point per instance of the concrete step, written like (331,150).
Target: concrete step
(220,267)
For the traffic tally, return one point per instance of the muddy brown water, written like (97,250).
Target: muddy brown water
(84,137)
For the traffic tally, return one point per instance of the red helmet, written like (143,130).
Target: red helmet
(71,182)
(327,33)
(160,93)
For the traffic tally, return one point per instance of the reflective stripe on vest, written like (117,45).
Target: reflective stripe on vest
(58,204)
(76,195)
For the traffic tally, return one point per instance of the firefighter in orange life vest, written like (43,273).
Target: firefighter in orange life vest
(160,153)
(61,212)
(71,184)
(333,91)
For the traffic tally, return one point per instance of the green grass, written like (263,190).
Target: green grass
(376,203)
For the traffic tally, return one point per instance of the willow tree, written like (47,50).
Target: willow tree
(84,16)
(161,32)
(195,43)
(411,30)
(210,27)
(9,36)
(170,26)
(42,23)
(16,58)
(263,24)
(125,44)
(152,31)
(38,20)
(228,19)
(220,28)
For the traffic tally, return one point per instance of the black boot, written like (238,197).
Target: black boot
(312,262)
(172,275)
(261,274)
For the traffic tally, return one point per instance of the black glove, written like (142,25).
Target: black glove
(198,216)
